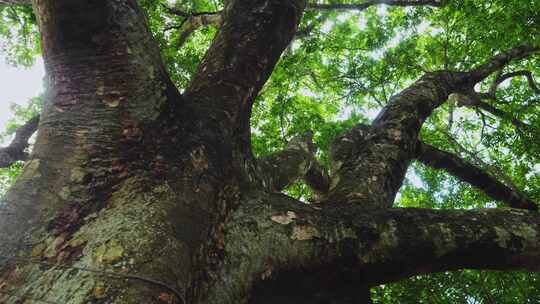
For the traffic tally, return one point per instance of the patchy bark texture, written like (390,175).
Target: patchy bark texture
(137,194)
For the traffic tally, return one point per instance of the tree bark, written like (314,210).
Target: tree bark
(137,194)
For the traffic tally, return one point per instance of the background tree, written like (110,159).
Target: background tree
(169,131)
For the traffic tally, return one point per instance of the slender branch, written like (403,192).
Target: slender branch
(456,166)
(195,22)
(493,170)
(15,151)
(501,78)
(365,5)
(474,100)
(181,13)
(500,61)
(502,114)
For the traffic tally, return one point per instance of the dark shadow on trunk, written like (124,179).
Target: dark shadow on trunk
(308,286)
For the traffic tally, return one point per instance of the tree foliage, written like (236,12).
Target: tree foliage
(342,68)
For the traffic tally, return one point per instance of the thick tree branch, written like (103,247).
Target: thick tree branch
(456,166)
(241,58)
(366,4)
(15,151)
(348,246)
(296,161)
(389,144)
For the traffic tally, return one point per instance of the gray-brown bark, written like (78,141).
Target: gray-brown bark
(107,87)
(469,173)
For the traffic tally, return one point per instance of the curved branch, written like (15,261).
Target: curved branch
(501,78)
(500,61)
(349,246)
(15,151)
(456,166)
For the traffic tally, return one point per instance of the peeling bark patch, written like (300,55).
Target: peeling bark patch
(31,170)
(503,237)
(284,219)
(388,240)
(304,233)
(109,252)
(199,159)
(68,219)
(445,241)
(99,290)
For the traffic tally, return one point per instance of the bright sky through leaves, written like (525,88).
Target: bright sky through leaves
(18,85)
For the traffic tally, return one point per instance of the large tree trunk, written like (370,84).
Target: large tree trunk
(137,194)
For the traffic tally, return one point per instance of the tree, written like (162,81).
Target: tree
(138,192)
